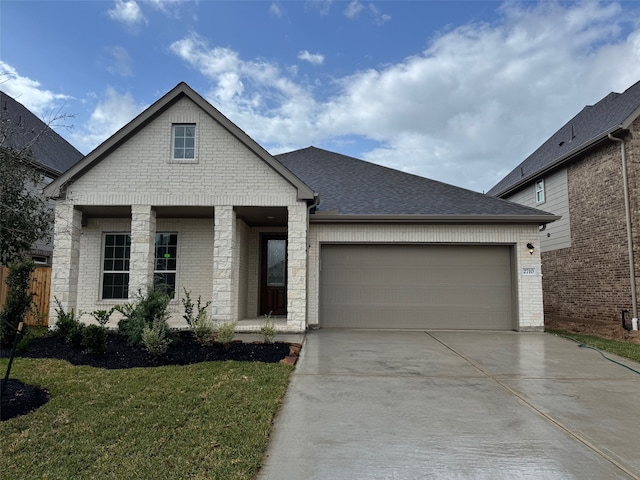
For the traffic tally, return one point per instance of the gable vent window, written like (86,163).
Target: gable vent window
(540,194)
(184,142)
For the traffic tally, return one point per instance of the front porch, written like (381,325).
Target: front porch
(219,256)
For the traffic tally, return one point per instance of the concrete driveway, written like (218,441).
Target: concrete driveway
(415,405)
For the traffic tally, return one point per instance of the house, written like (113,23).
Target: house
(51,154)
(314,238)
(588,173)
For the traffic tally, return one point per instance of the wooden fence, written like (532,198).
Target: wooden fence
(40,288)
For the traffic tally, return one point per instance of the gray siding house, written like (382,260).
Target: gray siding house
(51,154)
(588,173)
(312,237)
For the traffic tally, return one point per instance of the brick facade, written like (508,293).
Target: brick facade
(591,278)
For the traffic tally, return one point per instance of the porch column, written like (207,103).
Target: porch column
(142,254)
(224,305)
(66,258)
(297,268)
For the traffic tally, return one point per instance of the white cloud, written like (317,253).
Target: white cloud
(322,6)
(378,17)
(113,112)
(466,110)
(312,58)
(276,9)
(30,93)
(353,9)
(127,12)
(121,62)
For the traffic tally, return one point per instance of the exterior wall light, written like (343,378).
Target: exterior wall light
(530,247)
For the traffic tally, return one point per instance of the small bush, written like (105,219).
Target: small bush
(66,322)
(102,316)
(226,332)
(268,330)
(94,338)
(154,339)
(149,310)
(202,327)
(75,335)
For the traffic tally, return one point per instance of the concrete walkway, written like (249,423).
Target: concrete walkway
(417,405)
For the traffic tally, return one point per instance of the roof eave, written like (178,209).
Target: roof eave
(562,160)
(465,219)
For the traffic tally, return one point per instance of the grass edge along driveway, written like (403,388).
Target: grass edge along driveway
(203,421)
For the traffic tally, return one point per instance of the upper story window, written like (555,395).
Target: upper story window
(540,194)
(184,142)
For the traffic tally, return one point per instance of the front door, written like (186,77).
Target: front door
(273,275)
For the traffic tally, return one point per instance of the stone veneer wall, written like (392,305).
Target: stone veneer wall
(591,278)
(528,288)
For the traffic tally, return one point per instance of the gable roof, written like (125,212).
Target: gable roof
(50,152)
(56,188)
(589,128)
(355,190)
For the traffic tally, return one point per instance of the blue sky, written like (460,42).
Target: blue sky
(457,91)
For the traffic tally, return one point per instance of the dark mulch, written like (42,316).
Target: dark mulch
(18,399)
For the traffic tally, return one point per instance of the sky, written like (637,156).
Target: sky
(456,91)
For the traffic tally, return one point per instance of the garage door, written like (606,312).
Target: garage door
(416,286)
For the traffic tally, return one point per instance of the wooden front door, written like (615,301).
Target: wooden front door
(273,275)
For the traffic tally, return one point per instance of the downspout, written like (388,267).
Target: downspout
(314,204)
(632,274)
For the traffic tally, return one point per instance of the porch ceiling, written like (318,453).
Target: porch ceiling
(263,216)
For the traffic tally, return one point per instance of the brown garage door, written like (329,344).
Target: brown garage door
(416,286)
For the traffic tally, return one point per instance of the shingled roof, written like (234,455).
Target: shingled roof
(51,153)
(587,129)
(356,189)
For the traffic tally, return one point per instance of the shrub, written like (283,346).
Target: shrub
(268,330)
(226,332)
(149,310)
(75,335)
(154,338)
(66,322)
(102,316)
(18,301)
(94,338)
(200,323)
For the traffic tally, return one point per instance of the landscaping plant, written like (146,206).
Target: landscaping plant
(154,338)
(226,332)
(149,311)
(66,322)
(199,323)
(268,329)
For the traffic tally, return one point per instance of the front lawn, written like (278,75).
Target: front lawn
(621,348)
(202,421)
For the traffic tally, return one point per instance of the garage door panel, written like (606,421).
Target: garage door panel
(416,286)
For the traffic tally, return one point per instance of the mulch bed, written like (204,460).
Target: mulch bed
(19,399)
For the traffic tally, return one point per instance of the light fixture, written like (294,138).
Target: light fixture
(530,247)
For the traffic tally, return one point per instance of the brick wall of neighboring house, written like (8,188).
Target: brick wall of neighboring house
(591,278)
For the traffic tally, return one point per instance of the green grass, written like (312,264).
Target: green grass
(204,421)
(621,348)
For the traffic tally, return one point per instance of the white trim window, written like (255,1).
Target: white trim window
(166,260)
(540,193)
(115,266)
(183,144)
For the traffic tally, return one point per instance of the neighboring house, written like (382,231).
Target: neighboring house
(51,154)
(314,238)
(578,174)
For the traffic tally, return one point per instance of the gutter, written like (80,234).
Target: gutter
(627,210)
(461,219)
